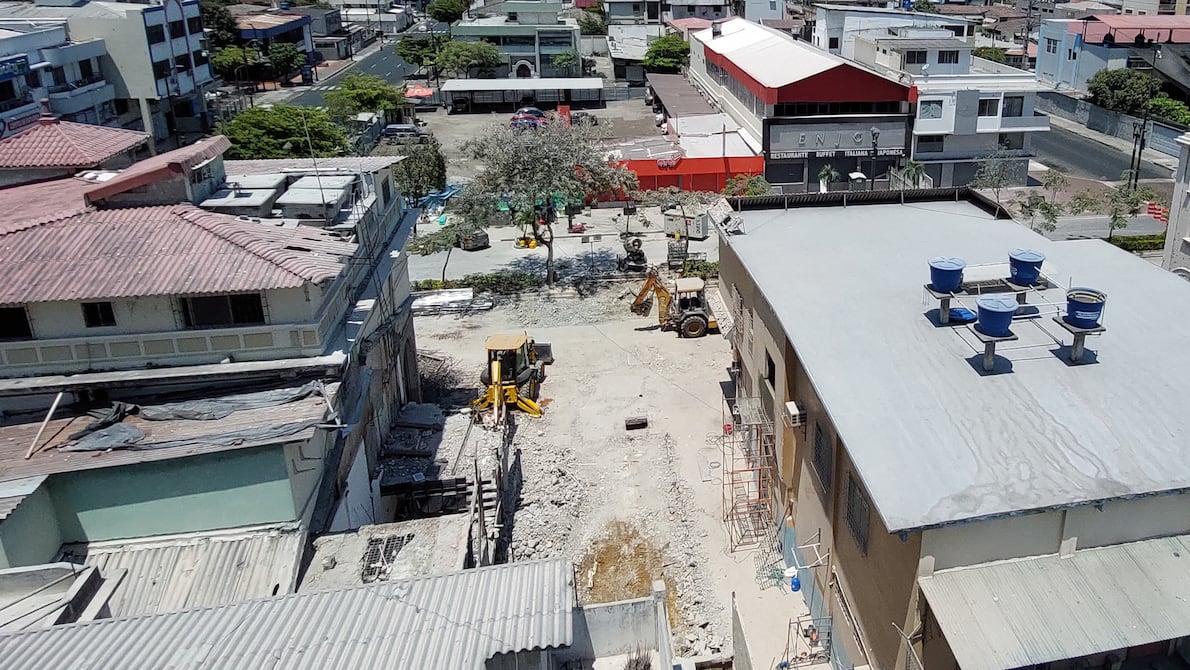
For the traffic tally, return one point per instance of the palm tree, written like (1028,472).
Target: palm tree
(826,175)
(912,172)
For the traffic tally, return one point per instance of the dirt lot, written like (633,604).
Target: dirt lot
(627,507)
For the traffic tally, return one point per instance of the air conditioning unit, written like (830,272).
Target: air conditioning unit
(795,414)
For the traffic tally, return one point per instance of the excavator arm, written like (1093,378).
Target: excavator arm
(644,302)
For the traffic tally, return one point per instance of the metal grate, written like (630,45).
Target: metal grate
(380,554)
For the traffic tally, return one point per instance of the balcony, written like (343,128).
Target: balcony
(1038,121)
(16,103)
(83,94)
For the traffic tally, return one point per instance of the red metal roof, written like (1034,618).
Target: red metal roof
(1125,28)
(51,143)
(33,204)
(689,23)
(164,250)
(160,166)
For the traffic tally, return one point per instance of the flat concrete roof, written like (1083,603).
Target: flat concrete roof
(537,84)
(313,196)
(933,438)
(325,182)
(273,180)
(255,197)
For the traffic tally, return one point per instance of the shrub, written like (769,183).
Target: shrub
(1136,243)
(494,282)
(700,269)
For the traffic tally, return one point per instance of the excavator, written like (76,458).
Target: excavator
(513,375)
(685,309)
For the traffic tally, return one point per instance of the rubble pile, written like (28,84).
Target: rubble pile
(552,501)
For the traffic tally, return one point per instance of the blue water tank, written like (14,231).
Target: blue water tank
(1025,266)
(995,314)
(1084,307)
(946,273)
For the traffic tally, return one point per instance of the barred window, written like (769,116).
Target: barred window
(823,456)
(858,511)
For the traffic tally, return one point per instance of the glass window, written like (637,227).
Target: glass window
(33,79)
(14,324)
(177,29)
(98,314)
(859,512)
(823,456)
(156,34)
(222,310)
(929,109)
(948,56)
(989,107)
(194,24)
(86,70)
(161,69)
(1014,105)
(58,75)
(833,43)
(1012,140)
(200,58)
(930,143)
(1051,46)
(915,58)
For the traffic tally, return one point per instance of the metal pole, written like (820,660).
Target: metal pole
(49,415)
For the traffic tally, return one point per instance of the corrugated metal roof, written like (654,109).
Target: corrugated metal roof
(13,492)
(31,204)
(169,574)
(51,143)
(1019,613)
(539,84)
(163,250)
(278,165)
(454,621)
(771,57)
(678,95)
(156,167)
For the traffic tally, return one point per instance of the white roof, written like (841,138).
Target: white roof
(1025,612)
(541,84)
(771,57)
(714,146)
(935,440)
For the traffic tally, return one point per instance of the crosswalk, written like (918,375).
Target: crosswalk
(322,87)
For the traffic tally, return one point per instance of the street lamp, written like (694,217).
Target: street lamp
(875,132)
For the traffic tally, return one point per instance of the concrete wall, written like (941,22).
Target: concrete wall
(305,463)
(29,536)
(1162,137)
(974,543)
(1177,251)
(611,629)
(593,45)
(207,492)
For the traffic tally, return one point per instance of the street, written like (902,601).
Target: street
(384,63)
(1085,158)
(1086,227)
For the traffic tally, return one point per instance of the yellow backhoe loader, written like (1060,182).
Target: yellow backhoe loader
(512,377)
(685,309)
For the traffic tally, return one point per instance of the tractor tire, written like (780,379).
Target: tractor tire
(694,325)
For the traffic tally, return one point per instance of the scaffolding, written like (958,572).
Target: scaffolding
(749,474)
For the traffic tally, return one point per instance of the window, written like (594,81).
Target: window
(915,58)
(33,79)
(989,107)
(177,29)
(98,314)
(690,8)
(58,75)
(194,24)
(156,34)
(1014,105)
(512,17)
(948,56)
(14,324)
(161,69)
(858,512)
(1051,46)
(833,43)
(823,457)
(1012,140)
(929,109)
(200,58)
(222,310)
(930,143)
(86,69)
(386,191)
(770,369)
(1070,54)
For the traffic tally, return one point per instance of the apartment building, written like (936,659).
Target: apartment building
(530,33)
(836,25)
(155,58)
(967,107)
(944,507)
(656,11)
(1070,52)
(38,60)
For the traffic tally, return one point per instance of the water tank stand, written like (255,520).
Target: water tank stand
(989,346)
(943,303)
(1080,338)
(1021,291)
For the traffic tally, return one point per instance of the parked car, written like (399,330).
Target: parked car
(403,133)
(474,241)
(530,111)
(529,117)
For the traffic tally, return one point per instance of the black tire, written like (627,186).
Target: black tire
(693,326)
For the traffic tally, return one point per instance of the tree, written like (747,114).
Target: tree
(995,173)
(447,11)
(826,175)
(285,58)
(363,93)
(1121,202)
(417,51)
(567,58)
(592,23)
(994,54)
(1034,205)
(220,25)
(464,57)
(443,238)
(1123,90)
(747,184)
(422,171)
(667,54)
(229,59)
(1054,183)
(527,168)
(1166,108)
(282,131)
(913,173)
(923,6)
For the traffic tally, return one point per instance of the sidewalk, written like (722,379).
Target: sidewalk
(1154,157)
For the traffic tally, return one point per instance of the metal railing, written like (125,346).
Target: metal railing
(13,103)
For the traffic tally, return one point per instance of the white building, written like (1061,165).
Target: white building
(967,107)
(38,60)
(651,11)
(156,58)
(836,26)
(1177,236)
(530,33)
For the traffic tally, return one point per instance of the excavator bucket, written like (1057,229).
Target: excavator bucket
(544,352)
(643,308)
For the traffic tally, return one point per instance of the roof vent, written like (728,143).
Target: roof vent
(716,29)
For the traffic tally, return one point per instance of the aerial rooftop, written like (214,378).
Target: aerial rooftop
(51,143)
(934,439)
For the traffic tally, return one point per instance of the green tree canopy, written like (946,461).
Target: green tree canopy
(747,184)
(416,50)
(219,23)
(923,6)
(527,169)
(667,54)
(1121,202)
(463,57)
(567,58)
(995,173)
(447,11)
(422,171)
(1167,109)
(284,132)
(363,93)
(285,58)
(592,23)
(990,53)
(228,59)
(1123,90)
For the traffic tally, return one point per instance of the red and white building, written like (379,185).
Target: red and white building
(805,108)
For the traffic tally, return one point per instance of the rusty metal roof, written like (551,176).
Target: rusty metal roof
(162,250)
(51,143)
(162,165)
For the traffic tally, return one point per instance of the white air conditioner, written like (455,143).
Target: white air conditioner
(795,415)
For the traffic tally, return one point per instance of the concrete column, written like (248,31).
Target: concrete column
(664,638)
(1179,214)
(146,115)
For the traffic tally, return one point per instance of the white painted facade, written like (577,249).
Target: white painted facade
(836,26)
(1176,257)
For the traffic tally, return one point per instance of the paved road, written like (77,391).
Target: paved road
(384,63)
(1082,157)
(1079,227)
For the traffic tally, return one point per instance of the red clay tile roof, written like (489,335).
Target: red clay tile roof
(32,204)
(51,143)
(165,250)
(157,167)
